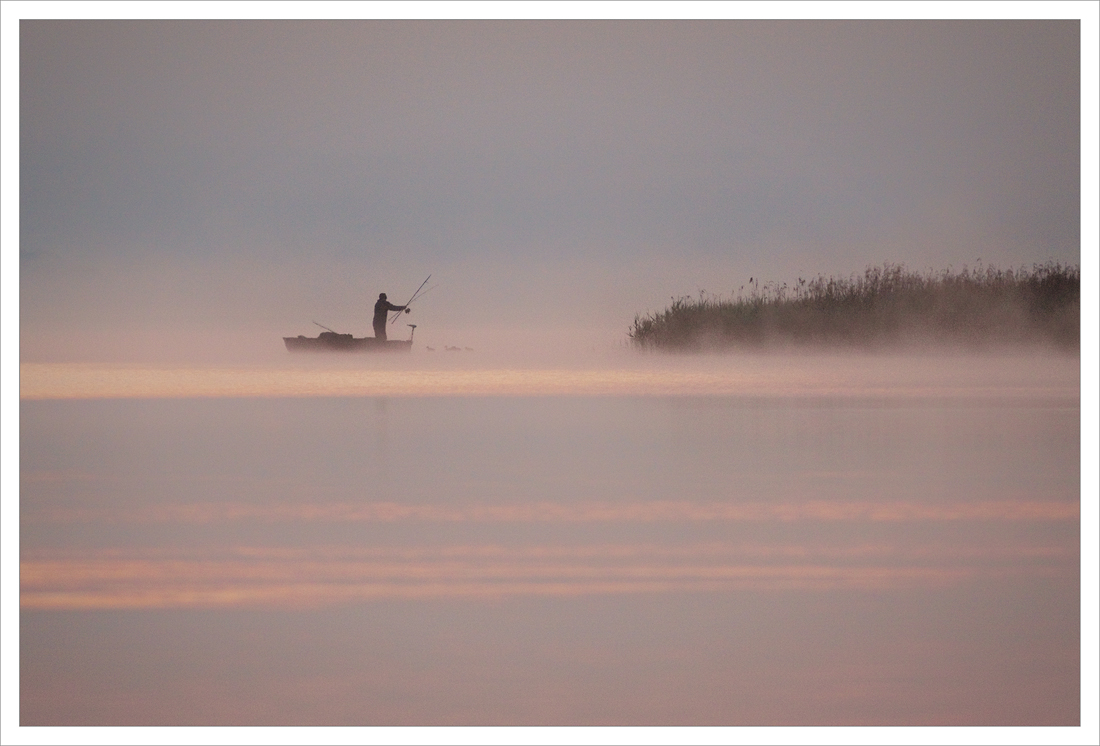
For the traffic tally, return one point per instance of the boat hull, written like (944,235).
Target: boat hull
(331,342)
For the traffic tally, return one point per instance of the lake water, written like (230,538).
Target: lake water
(770,541)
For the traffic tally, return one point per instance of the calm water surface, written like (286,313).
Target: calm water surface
(711,559)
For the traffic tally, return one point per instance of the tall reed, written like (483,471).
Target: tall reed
(885,306)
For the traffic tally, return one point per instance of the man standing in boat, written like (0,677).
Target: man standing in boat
(381,311)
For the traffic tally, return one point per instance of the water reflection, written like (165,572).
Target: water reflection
(899,544)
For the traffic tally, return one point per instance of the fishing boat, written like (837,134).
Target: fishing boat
(336,342)
(333,341)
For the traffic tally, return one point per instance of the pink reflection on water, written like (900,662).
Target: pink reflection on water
(313,577)
(752,375)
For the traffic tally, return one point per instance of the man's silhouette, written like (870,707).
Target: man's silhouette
(381,311)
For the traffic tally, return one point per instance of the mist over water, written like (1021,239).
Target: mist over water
(847,540)
(611,371)
(549,529)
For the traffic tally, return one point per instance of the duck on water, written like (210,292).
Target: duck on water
(330,341)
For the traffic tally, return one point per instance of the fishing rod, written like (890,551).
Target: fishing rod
(325,328)
(410,300)
(418,292)
(426,291)
(420,295)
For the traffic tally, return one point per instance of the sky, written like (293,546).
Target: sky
(225,183)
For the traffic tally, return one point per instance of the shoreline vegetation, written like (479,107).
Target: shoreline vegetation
(887,306)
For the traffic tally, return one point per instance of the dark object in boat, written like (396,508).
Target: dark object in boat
(335,342)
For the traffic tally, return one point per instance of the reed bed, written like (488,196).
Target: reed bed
(885,306)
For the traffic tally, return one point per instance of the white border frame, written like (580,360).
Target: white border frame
(12,11)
